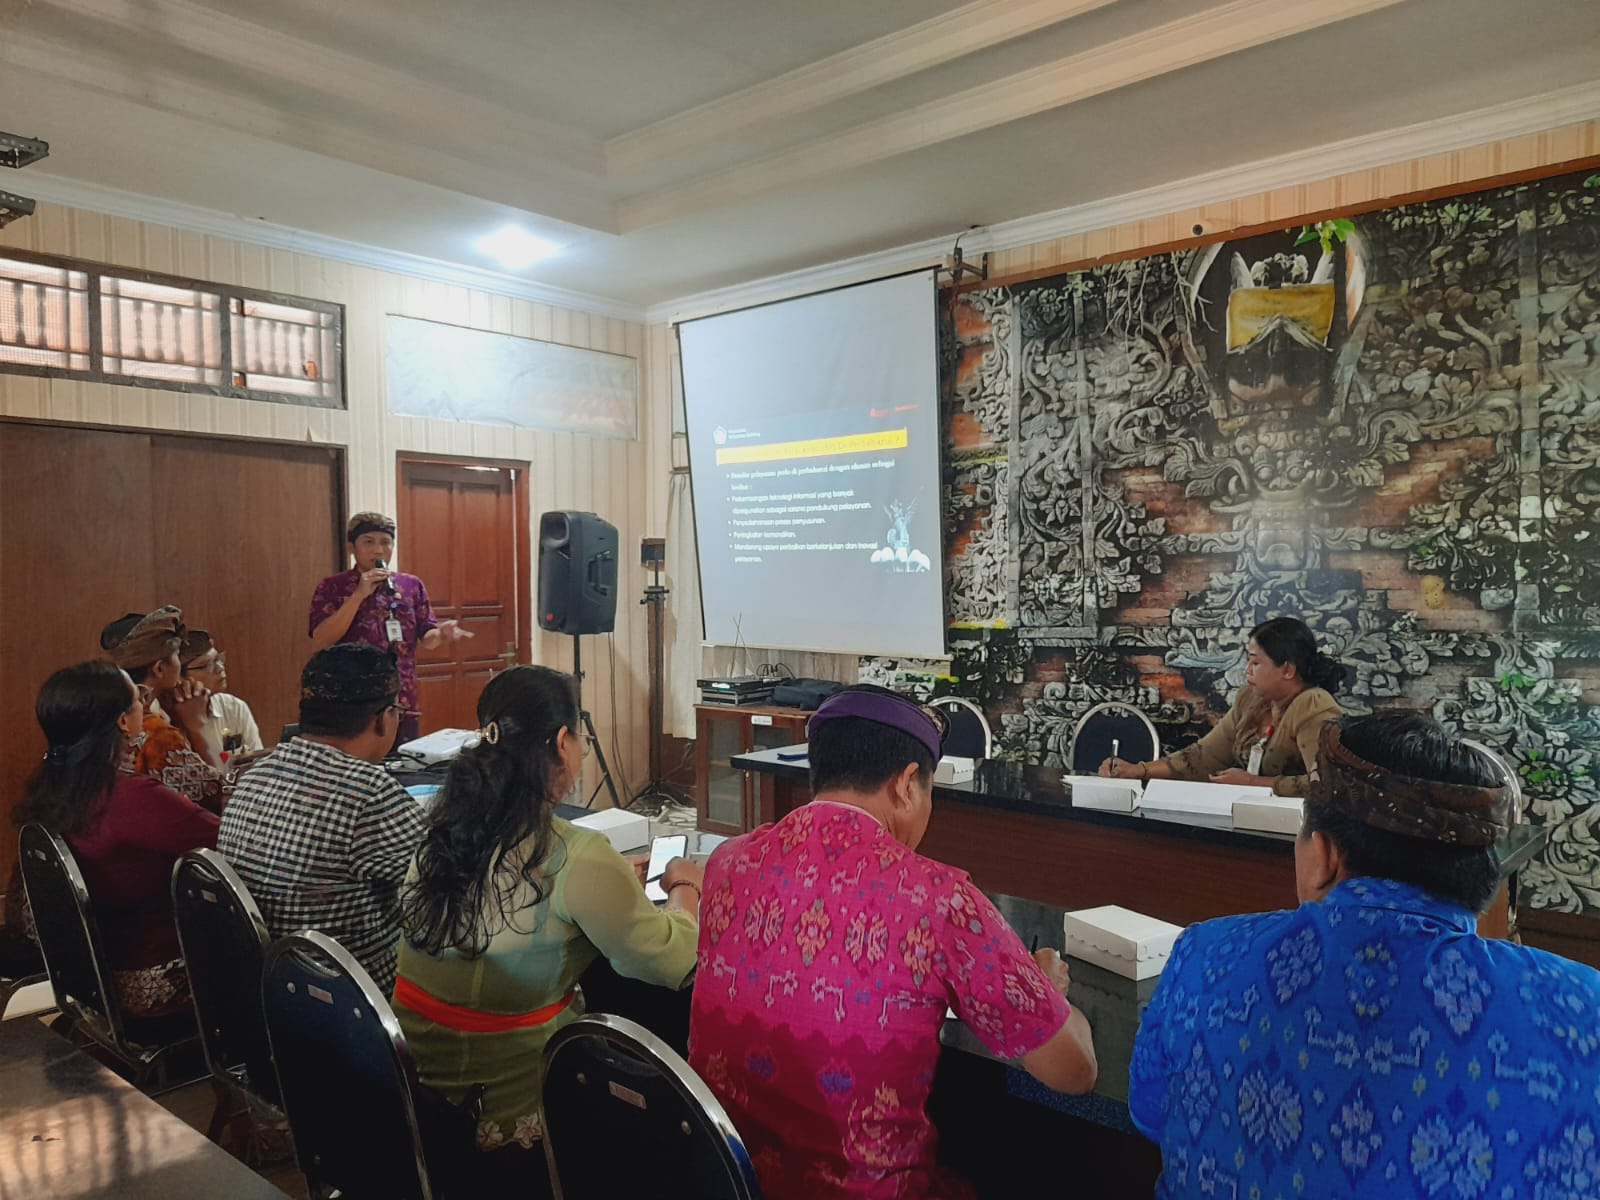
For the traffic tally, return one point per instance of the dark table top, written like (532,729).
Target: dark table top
(70,1129)
(1011,787)
(1113,1006)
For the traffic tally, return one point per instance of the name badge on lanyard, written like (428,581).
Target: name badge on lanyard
(392,630)
(1257,752)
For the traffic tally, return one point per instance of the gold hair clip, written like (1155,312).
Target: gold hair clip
(490,733)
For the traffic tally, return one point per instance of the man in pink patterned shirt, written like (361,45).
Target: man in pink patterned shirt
(829,952)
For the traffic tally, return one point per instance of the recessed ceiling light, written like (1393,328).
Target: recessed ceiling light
(513,247)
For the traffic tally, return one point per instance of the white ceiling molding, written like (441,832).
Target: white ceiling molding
(113,202)
(1535,114)
(920,47)
(493,179)
(1214,33)
(440,112)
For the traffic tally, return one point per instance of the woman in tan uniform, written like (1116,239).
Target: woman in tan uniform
(1269,736)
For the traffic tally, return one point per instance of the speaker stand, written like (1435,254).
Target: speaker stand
(655,601)
(589,734)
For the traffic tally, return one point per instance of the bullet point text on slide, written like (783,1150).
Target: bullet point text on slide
(853,443)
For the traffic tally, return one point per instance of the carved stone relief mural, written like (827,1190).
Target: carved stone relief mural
(1388,426)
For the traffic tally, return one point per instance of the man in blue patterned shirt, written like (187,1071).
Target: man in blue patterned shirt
(1369,1042)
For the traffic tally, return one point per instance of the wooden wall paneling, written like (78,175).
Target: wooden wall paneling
(76,551)
(243,533)
(547,648)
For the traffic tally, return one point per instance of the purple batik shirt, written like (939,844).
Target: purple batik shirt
(408,603)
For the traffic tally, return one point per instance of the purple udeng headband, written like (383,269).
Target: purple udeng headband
(904,715)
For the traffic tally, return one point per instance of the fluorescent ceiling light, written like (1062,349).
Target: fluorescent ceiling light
(513,247)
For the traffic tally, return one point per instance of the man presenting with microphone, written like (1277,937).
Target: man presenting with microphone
(381,607)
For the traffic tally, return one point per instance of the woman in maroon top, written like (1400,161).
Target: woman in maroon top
(125,830)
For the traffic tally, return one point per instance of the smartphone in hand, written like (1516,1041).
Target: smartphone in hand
(662,851)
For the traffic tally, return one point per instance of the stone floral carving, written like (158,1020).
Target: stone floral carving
(1398,442)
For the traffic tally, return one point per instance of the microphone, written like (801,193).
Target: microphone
(381,565)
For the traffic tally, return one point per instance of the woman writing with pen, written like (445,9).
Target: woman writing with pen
(1269,736)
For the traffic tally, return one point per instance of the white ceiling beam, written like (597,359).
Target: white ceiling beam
(1407,143)
(930,43)
(166,91)
(435,113)
(1215,33)
(131,206)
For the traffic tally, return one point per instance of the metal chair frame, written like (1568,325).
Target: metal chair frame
(237,1093)
(105,1025)
(645,1047)
(344,963)
(1111,706)
(961,703)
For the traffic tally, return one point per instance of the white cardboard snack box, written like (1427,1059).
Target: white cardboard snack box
(953,768)
(1128,943)
(625,830)
(1274,814)
(1108,795)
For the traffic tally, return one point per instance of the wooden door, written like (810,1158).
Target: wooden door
(98,522)
(459,533)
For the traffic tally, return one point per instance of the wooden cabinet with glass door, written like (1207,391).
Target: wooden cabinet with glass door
(728,801)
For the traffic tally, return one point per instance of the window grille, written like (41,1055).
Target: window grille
(60,317)
(44,316)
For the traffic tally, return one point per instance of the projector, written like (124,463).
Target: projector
(736,689)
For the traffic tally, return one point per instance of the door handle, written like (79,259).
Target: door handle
(509,654)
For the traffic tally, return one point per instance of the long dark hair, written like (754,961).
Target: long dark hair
(78,709)
(490,829)
(1286,640)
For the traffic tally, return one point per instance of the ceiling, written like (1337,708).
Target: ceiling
(674,148)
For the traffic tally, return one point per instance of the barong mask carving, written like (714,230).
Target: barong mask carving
(1393,434)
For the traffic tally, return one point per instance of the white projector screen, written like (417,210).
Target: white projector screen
(814,459)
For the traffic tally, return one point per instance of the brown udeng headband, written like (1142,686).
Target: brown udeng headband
(1419,808)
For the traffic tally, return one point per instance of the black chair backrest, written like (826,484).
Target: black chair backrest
(344,1073)
(224,940)
(68,936)
(1111,730)
(610,1083)
(969,736)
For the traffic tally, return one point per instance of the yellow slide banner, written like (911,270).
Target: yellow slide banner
(853,443)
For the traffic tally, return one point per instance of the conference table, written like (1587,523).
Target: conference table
(1038,857)
(71,1129)
(1015,830)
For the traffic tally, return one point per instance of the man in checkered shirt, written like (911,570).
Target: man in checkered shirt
(320,833)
